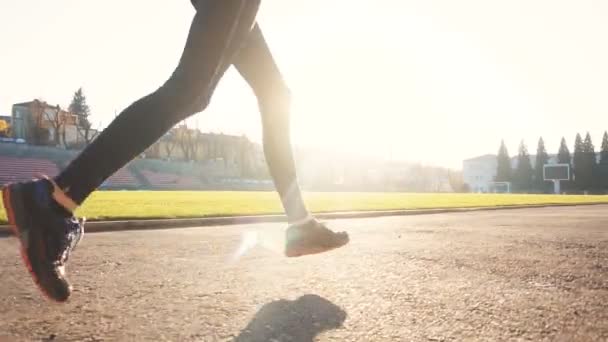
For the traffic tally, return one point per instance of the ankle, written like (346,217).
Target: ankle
(60,209)
(302,221)
(61,198)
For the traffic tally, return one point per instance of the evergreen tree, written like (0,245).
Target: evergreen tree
(604,150)
(523,173)
(589,164)
(582,176)
(563,156)
(588,145)
(79,104)
(579,162)
(541,159)
(602,168)
(503,168)
(80,108)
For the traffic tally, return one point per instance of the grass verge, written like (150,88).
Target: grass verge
(116,205)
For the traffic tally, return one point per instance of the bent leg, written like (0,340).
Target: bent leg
(218,29)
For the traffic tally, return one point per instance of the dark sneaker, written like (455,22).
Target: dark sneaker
(46,234)
(312,237)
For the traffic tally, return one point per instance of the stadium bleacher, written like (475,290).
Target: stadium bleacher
(123,178)
(161,180)
(21,162)
(13,169)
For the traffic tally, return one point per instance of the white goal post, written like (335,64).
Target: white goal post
(499,187)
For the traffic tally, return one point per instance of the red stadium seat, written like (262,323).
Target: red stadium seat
(13,169)
(161,180)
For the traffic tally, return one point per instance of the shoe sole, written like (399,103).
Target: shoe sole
(9,207)
(294,252)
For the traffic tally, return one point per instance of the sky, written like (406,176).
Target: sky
(432,81)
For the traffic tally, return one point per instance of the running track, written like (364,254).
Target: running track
(525,274)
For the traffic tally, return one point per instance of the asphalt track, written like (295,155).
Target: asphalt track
(525,274)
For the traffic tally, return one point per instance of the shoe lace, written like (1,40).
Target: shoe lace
(74,231)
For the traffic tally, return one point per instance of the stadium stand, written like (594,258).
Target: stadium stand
(13,169)
(122,179)
(161,180)
(19,162)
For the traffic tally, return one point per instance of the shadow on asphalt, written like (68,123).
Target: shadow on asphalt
(300,320)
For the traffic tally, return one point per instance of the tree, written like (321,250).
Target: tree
(56,117)
(588,145)
(579,163)
(503,168)
(585,164)
(36,134)
(183,140)
(563,156)
(602,169)
(590,162)
(169,140)
(591,182)
(541,159)
(194,143)
(80,108)
(189,141)
(523,173)
(604,149)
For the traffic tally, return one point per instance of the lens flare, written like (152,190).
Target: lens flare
(270,239)
(248,241)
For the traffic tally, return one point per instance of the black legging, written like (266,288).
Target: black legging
(223,33)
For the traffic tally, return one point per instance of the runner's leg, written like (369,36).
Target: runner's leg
(219,27)
(305,235)
(258,67)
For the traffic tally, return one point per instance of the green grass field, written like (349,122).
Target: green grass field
(110,205)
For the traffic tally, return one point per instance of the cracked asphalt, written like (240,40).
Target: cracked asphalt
(508,275)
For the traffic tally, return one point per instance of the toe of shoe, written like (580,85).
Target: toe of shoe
(56,287)
(60,293)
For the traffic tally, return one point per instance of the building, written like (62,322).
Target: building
(479,172)
(237,155)
(39,123)
(5,126)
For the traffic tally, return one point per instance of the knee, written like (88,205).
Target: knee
(196,103)
(182,101)
(275,109)
(274,97)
